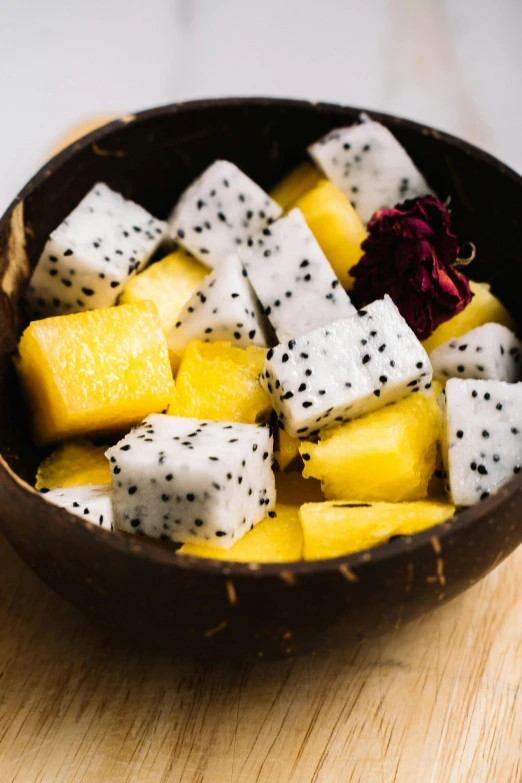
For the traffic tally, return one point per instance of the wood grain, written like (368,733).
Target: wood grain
(439,702)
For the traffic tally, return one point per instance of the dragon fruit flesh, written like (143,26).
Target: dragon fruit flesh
(91,502)
(489,352)
(293,279)
(344,370)
(93,252)
(223,308)
(367,163)
(219,212)
(482,443)
(182,479)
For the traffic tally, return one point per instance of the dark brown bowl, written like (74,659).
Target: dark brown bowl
(207,607)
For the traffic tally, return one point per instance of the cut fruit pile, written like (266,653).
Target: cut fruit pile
(298,424)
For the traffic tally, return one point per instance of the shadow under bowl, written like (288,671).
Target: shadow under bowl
(210,608)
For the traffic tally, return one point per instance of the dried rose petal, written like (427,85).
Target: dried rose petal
(410,254)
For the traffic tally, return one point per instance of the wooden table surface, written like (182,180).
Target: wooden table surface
(438,703)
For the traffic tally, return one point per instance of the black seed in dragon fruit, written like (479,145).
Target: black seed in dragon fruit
(90,256)
(293,278)
(223,308)
(367,163)
(218,213)
(91,502)
(341,371)
(482,441)
(490,352)
(181,479)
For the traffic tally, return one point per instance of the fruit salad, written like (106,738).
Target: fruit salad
(271,377)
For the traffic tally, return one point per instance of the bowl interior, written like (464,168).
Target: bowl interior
(153,156)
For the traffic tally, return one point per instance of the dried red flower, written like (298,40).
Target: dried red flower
(410,253)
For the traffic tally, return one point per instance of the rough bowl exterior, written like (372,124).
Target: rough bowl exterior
(201,607)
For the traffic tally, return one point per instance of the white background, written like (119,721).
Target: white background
(455,64)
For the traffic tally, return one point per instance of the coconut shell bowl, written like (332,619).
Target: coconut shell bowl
(212,608)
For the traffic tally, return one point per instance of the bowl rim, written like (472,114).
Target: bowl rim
(164,555)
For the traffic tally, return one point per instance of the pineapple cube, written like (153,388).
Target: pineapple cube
(335,529)
(387,455)
(276,539)
(287,449)
(336,226)
(293,489)
(169,284)
(218,381)
(74,464)
(295,185)
(484,308)
(95,372)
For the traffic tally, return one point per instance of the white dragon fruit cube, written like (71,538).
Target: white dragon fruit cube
(87,260)
(482,443)
(223,308)
(490,352)
(344,370)
(217,214)
(181,479)
(91,502)
(367,163)
(293,278)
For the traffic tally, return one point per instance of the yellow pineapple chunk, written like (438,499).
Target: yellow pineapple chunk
(336,226)
(295,185)
(169,284)
(287,450)
(294,490)
(484,308)
(220,382)
(337,528)
(389,454)
(95,372)
(277,539)
(74,464)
